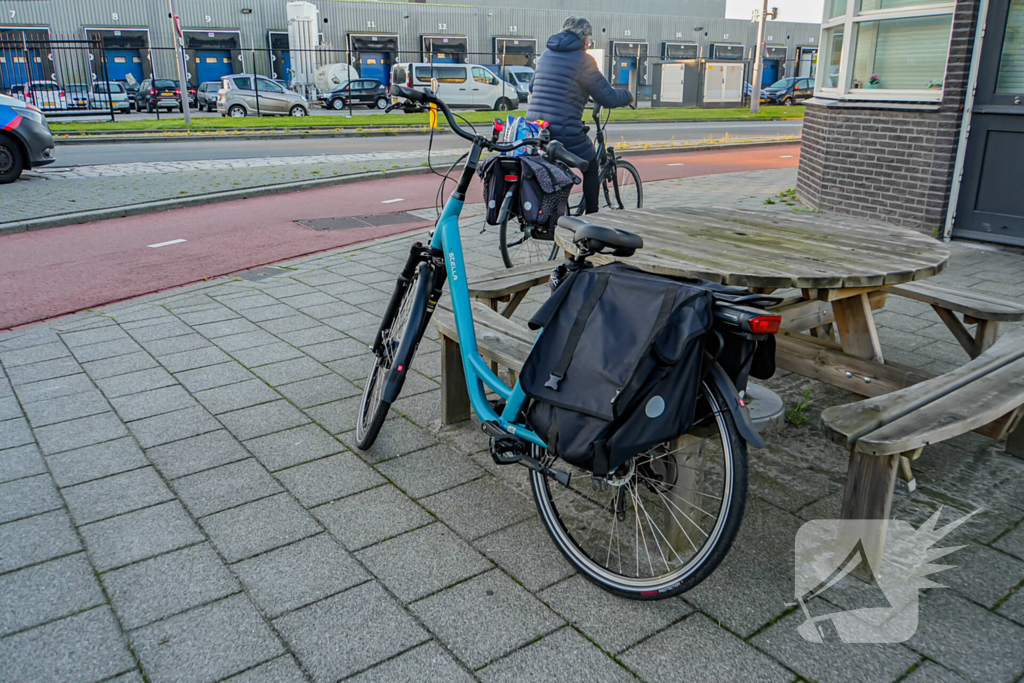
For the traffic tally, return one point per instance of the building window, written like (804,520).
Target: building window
(885,49)
(1011,62)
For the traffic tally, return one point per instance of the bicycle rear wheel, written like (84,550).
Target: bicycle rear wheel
(520,248)
(663,521)
(373,409)
(630,187)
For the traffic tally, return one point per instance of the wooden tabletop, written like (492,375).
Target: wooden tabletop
(772,249)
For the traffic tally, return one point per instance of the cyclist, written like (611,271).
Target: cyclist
(566,76)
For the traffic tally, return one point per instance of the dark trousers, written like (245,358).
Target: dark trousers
(592,187)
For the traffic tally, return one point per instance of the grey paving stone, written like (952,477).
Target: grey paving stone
(429,471)
(54,388)
(107,349)
(428,663)
(293,446)
(347,633)
(335,349)
(318,390)
(191,360)
(139,535)
(485,618)
(265,355)
(975,643)
(15,433)
(119,365)
(93,336)
(86,431)
(133,382)
(337,416)
(37,372)
(36,539)
(479,507)
(525,551)
(355,368)
(194,316)
(27,497)
(299,574)
(151,403)
(289,323)
(308,299)
(294,370)
(397,437)
(562,657)
(46,592)
(130,677)
(311,335)
(79,649)
(337,476)
(225,328)
(742,594)
(206,643)
(168,427)
(930,672)
(769,533)
(172,327)
(266,418)
(33,354)
(19,462)
(224,487)
(613,623)
(1012,541)
(196,454)
(280,670)
(236,396)
(269,314)
(982,574)
(1013,607)
(257,527)
(116,495)
(245,340)
(9,408)
(168,584)
(214,376)
(832,660)
(371,516)
(423,561)
(699,650)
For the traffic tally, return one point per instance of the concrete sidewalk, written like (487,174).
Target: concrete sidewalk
(181,498)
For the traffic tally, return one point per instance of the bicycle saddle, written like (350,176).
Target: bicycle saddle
(595,238)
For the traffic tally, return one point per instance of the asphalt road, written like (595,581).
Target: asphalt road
(227,148)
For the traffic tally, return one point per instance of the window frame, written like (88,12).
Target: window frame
(850,22)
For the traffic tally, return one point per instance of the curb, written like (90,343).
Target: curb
(326,131)
(265,190)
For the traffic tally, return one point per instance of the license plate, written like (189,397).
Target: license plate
(167,94)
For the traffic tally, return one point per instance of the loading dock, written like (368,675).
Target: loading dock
(211,55)
(515,51)
(21,62)
(629,63)
(373,55)
(127,53)
(280,57)
(444,49)
(676,51)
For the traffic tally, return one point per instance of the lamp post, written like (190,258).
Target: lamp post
(755,92)
(179,54)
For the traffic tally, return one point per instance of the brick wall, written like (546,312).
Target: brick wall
(889,161)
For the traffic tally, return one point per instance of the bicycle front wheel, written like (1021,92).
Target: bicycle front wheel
(519,248)
(660,523)
(373,409)
(623,189)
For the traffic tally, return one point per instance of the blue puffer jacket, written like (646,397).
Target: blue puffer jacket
(565,76)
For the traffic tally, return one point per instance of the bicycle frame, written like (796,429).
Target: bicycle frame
(448,239)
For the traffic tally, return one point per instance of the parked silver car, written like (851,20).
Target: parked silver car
(242,95)
(206,95)
(106,95)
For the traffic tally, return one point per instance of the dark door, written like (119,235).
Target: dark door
(374,65)
(991,204)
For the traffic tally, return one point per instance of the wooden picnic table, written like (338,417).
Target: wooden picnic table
(842,268)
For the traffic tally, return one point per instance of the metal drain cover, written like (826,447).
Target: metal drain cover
(350,222)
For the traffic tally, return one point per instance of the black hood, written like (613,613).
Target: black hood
(565,41)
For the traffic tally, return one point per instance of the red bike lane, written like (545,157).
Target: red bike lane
(53,272)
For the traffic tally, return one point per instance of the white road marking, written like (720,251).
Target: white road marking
(392,201)
(786,156)
(164,244)
(679,164)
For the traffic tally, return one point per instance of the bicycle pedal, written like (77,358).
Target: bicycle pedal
(507,451)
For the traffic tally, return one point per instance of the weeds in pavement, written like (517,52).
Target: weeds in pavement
(798,413)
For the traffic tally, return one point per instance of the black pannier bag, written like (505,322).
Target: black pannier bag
(493,172)
(618,365)
(544,189)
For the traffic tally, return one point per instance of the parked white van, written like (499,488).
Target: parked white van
(469,86)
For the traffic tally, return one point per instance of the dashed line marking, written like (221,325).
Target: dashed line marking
(786,156)
(165,244)
(678,164)
(392,201)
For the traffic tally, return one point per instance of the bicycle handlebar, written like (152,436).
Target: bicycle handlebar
(556,151)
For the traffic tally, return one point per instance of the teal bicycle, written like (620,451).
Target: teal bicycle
(655,526)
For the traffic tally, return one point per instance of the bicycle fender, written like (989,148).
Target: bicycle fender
(738,410)
(417,319)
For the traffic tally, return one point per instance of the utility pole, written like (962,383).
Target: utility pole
(179,54)
(755,92)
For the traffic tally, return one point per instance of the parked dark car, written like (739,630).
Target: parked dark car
(206,96)
(788,91)
(365,91)
(132,89)
(162,93)
(25,139)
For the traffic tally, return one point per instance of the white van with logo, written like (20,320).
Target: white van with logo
(465,86)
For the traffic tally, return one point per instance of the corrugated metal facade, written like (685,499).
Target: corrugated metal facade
(409,21)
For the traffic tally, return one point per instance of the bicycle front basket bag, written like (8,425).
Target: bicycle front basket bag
(617,366)
(543,192)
